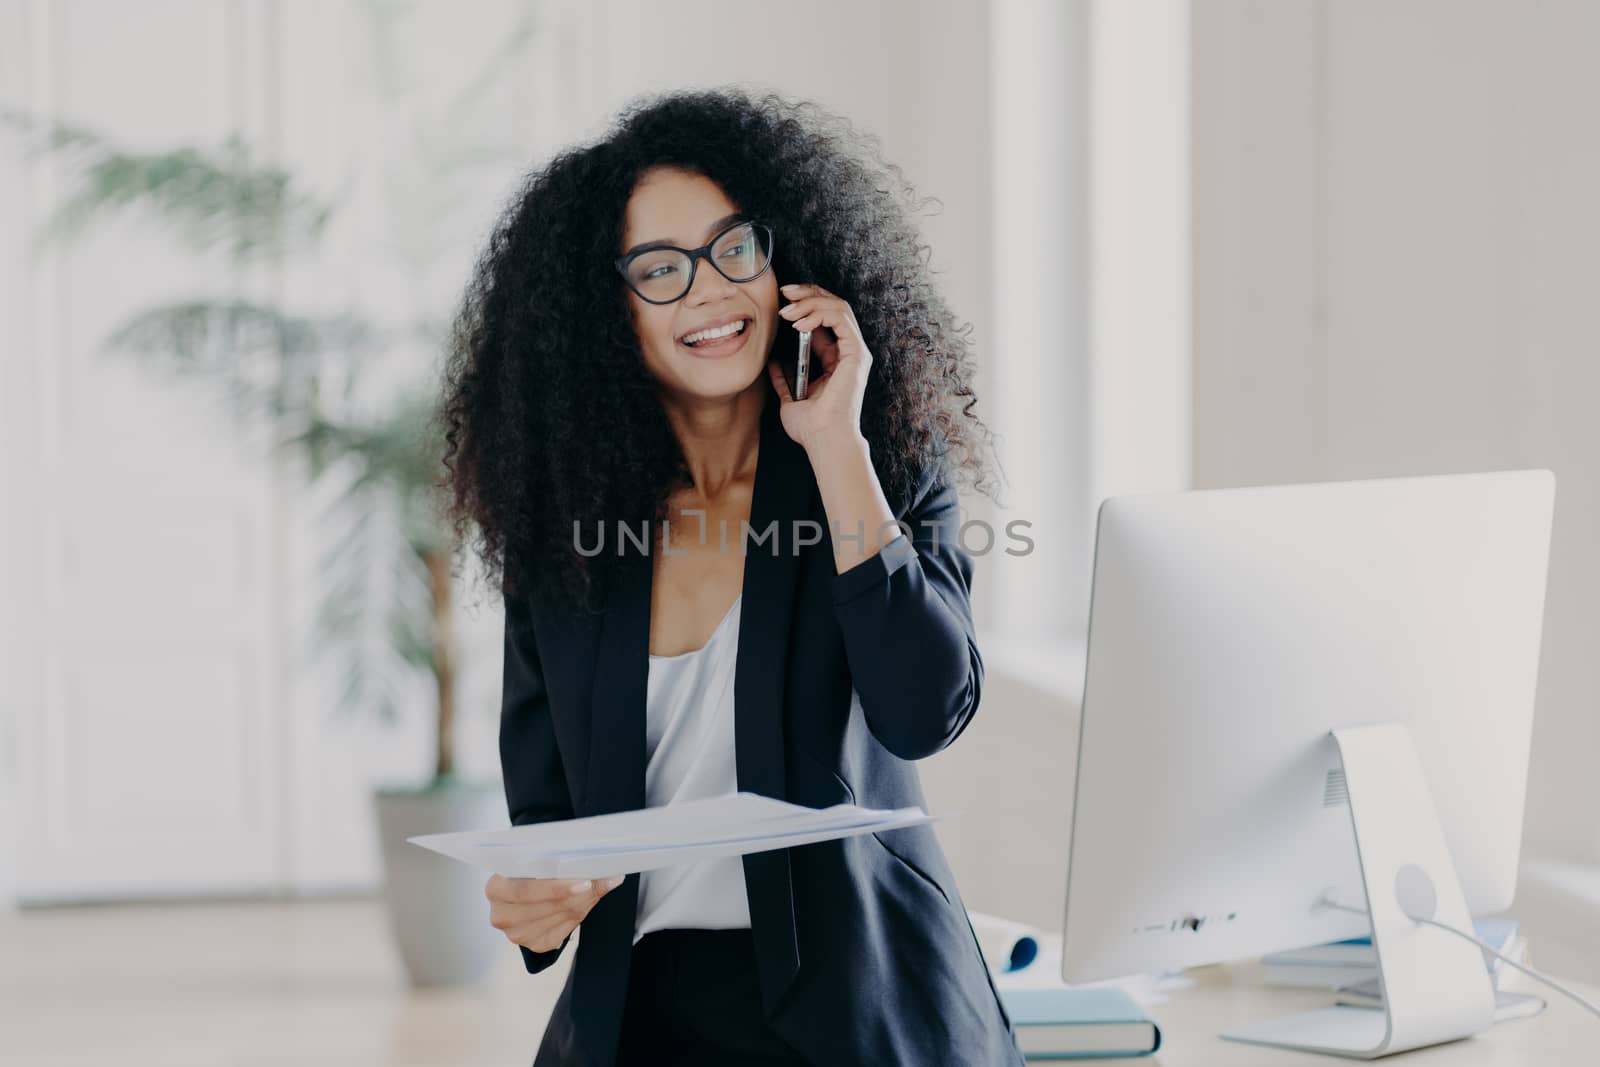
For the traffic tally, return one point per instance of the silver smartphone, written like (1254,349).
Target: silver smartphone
(802,367)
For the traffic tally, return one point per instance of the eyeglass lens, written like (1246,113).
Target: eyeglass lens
(739,255)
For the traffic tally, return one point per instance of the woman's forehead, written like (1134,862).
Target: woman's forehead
(676,206)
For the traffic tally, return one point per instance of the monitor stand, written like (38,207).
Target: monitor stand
(1436,987)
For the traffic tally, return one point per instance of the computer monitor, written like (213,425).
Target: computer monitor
(1231,631)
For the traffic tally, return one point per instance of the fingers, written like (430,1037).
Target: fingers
(818,381)
(802,290)
(545,928)
(539,913)
(826,348)
(571,912)
(814,309)
(535,890)
(544,936)
(814,312)
(805,300)
(831,336)
(779,384)
(796,290)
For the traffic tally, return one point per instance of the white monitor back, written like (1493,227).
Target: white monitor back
(1230,630)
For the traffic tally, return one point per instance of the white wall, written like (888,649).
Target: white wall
(1395,273)
(1139,279)
(1090,373)
(1040,333)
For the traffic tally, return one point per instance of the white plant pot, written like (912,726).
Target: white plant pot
(437,911)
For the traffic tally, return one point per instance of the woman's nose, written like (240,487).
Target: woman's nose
(709,285)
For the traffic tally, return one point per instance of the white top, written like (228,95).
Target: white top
(690,755)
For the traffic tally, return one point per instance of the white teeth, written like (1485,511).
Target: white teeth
(711,335)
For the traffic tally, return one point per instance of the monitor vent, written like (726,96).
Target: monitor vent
(1334,792)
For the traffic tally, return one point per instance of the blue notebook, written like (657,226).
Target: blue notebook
(1062,1023)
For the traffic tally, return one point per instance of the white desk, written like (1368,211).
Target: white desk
(1225,996)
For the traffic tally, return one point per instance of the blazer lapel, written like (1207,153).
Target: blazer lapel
(614,781)
(784,488)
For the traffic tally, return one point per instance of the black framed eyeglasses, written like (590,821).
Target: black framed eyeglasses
(660,275)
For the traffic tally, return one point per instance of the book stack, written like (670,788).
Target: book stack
(1354,963)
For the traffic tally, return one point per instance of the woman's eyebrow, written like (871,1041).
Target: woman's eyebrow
(711,229)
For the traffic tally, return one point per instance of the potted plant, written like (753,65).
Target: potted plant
(306,378)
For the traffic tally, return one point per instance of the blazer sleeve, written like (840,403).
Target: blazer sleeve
(530,763)
(906,614)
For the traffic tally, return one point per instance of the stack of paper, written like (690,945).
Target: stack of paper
(626,842)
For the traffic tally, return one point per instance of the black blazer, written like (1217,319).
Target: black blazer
(864,950)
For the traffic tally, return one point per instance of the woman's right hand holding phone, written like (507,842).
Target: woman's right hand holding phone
(540,913)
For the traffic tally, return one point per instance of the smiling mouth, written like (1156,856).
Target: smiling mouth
(715,342)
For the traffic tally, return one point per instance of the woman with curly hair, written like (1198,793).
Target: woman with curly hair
(713,586)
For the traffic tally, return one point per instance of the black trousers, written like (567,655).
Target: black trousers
(694,998)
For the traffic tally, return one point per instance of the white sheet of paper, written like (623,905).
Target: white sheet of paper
(626,842)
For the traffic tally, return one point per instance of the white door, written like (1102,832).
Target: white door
(141,667)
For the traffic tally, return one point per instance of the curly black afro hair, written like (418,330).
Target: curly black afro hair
(548,414)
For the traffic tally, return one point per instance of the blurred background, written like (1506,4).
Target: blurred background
(1203,244)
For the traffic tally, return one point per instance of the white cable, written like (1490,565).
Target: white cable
(1586,1004)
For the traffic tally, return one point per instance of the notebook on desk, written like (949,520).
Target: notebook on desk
(1067,1024)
